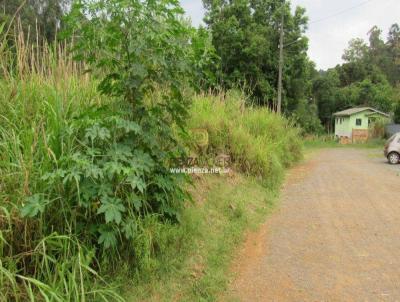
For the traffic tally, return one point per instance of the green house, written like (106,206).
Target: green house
(356,120)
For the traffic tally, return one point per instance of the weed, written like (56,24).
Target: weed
(260,142)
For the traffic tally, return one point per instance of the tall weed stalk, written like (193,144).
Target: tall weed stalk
(42,92)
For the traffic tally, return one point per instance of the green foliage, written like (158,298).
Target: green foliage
(110,177)
(94,168)
(392,67)
(205,61)
(306,117)
(36,115)
(246,37)
(377,129)
(396,115)
(367,78)
(42,18)
(259,142)
(143,46)
(35,205)
(84,177)
(119,169)
(194,260)
(356,51)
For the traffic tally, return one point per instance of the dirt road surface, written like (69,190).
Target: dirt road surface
(334,237)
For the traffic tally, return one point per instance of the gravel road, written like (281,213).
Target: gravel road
(334,237)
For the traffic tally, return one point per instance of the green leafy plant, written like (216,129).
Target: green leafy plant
(118,170)
(87,173)
(112,179)
(205,61)
(83,176)
(396,113)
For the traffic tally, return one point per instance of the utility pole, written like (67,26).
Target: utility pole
(279,105)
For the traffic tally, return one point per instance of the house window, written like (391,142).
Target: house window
(358,122)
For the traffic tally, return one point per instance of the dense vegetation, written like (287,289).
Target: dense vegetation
(38,18)
(195,256)
(93,119)
(370,76)
(239,48)
(246,38)
(90,127)
(259,143)
(245,35)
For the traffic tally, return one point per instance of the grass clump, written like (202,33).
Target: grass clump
(36,262)
(186,261)
(260,142)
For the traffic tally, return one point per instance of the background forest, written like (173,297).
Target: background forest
(239,48)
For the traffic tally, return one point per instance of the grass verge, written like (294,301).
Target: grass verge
(194,265)
(225,206)
(319,144)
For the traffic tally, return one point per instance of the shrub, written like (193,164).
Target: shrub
(117,168)
(396,115)
(377,129)
(306,117)
(84,178)
(83,175)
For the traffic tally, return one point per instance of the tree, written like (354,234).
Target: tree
(41,18)
(368,77)
(356,51)
(396,106)
(352,72)
(393,52)
(325,94)
(246,37)
(306,116)
(205,61)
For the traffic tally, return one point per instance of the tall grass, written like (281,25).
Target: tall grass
(194,265)
(260,142)
(42,92)
(23,55)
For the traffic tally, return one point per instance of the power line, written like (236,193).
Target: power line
(332,16)
(341,12)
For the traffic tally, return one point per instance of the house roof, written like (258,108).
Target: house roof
(351,111)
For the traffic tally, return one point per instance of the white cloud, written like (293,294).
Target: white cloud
(330,37)
(194,9)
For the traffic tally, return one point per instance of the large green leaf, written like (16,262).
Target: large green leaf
(112,208)
(107,238)
(35,204)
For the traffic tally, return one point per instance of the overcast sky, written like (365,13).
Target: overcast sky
(343,20)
